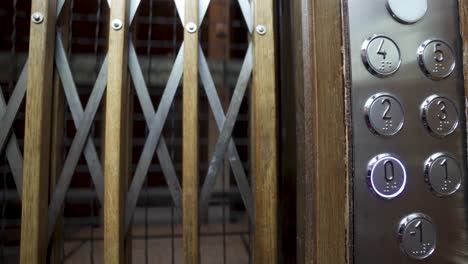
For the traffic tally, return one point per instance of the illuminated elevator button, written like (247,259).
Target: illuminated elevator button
(407,11)
(380,55)
(384,114)
(386,176)
(439,115)
(417,236)
(443,174)
(436,59)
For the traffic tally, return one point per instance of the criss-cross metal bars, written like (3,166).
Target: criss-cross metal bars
(8,140)
(156,120)
(83,120)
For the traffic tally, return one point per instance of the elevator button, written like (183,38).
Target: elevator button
(407,12)
(443,174)
(384,114)
(386,176)
(381,55)
(417,236)
(439,115)
(436,59)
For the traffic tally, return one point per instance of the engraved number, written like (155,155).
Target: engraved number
(438,53)
(420,227)
(385,115)
(389,170)
(443,113)
(381,51)
(445,165)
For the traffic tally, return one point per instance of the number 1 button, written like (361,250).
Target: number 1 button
(443,174)
(381,55)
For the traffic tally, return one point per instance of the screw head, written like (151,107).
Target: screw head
(116,24)
(191,27)
(261,29)
(37,18)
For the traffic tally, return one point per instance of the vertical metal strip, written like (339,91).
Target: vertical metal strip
(264,135)
(37,133)
(57,138)
(190,135)
(115,171)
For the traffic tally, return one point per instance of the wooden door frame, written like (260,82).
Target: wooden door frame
(320,131)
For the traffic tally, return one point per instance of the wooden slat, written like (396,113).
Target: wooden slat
(37,135)
(190,138)
(115,153)
(264,137)
(325,186)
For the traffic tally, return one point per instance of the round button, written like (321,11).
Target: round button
(407,12)
(381,55)
(439,115)
(384,114)
(443,174)
(436,59)
(417,236)
(386,176)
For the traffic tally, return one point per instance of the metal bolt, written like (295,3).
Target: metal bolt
(261,29)
(37,18)
(191,27)
(116,24)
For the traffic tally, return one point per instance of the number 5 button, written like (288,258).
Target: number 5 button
(443,174)
(384,114)
(381,55)
(436,59)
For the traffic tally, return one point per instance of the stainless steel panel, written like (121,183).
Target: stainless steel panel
(376,221)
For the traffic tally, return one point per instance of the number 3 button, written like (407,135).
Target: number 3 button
(381,55)
(384,114)
(439,116)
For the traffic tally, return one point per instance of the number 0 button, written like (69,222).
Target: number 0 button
(384,114)
(386,176)
(381,55)
(439,115)
(417,236)
(436,59)
(443,174)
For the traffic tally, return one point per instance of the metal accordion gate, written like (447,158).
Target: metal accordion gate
(122,124)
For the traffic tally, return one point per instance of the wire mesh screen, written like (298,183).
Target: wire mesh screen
(154,222)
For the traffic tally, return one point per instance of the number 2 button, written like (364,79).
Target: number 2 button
(384,114)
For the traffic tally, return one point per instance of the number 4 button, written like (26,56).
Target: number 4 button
(381,55)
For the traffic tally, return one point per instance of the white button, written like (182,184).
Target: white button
(407,11)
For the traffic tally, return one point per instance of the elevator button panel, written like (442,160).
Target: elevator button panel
(384,114)
(417,236)
(436,59)
(407,131)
